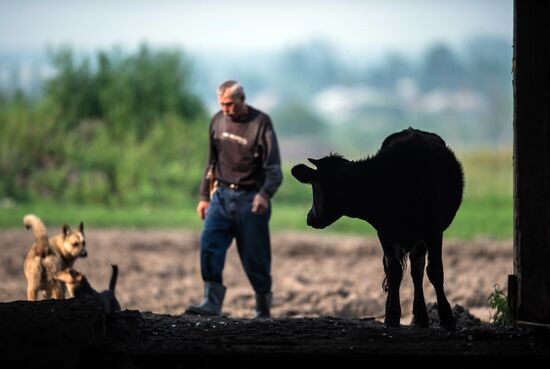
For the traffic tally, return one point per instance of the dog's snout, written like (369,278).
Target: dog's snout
(83,253)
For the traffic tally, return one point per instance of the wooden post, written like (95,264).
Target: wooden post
(531,162)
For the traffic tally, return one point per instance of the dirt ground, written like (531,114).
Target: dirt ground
(328,308)
(314,273)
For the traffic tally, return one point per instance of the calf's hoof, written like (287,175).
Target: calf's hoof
(420,321)
(446,318)
(449,325)
(392,323)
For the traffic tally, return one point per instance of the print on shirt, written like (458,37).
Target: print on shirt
(233,137)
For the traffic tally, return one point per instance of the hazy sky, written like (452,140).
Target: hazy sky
(248,25)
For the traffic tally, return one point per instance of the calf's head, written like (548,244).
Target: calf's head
(327,207)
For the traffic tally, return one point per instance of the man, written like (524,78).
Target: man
(244,161)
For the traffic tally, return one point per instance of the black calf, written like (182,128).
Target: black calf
(409,192)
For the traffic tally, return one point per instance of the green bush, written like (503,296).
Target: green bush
(123,129)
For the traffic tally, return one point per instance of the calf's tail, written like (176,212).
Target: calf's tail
(403,263)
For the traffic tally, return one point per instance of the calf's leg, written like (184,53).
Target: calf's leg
(418,261)
(435,274)
(394,272)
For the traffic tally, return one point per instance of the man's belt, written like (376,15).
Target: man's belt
(237,187)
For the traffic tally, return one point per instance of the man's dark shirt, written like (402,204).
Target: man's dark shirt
(245,153)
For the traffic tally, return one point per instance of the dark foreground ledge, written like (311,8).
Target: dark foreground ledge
(73,333)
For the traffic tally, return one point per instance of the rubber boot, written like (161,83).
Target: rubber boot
(263,306)
(214,294)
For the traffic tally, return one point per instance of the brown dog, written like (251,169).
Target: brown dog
(48,256)
(78,285)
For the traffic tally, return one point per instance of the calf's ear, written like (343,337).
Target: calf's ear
(303,173)
(313,161)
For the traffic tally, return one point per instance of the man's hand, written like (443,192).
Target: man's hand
(259,204)
(201,208)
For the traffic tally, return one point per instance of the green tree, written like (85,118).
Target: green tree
(115,129)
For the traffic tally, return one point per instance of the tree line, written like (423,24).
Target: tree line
(111,129)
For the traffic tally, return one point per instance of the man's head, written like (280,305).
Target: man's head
(231,98)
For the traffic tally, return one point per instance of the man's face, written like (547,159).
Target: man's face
(232,107)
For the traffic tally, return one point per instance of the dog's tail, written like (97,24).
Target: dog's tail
(114,276)
(39,232)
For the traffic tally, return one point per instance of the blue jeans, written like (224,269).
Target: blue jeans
(229,217)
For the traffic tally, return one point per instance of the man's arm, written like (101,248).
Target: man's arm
(202,207)
(271,164)
(204,201)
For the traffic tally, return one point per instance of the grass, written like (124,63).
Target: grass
(487,208)
(103,217)
(500,312)
(490,217)
(484,217)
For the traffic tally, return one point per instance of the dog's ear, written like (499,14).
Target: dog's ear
(76,275)
(81,227)
(69,276)
(66,230)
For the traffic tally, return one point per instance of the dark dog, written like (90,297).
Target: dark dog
(78,285)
